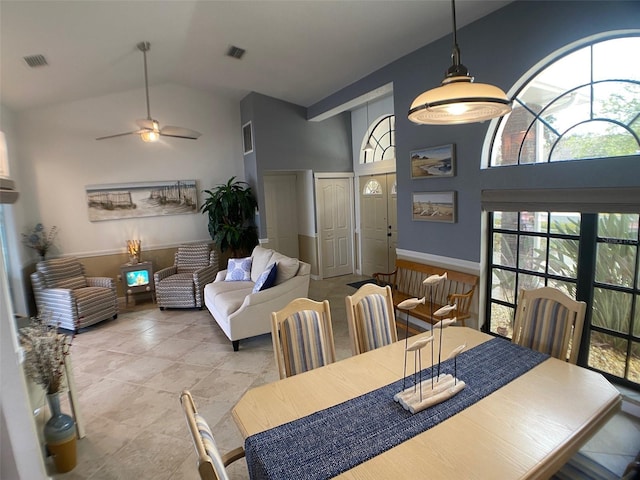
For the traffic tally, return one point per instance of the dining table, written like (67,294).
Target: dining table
(522,414)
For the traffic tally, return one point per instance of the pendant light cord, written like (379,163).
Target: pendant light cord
(456,69)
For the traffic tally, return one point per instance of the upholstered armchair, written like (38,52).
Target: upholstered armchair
(182,285)
(73,300)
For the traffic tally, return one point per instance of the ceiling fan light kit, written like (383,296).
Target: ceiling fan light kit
(150,130)
(458,99)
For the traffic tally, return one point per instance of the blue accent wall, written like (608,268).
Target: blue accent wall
(498,49)
(283,139)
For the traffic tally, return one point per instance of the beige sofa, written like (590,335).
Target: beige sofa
(243,314)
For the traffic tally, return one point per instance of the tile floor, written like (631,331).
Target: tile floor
(129,373)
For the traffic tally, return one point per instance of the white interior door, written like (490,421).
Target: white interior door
(378,223)
(280,197)
(334,204)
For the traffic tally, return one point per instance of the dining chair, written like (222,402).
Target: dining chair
(302,336)
(211,463)
(371,318)
(549,321)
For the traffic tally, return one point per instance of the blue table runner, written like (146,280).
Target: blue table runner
(331,441)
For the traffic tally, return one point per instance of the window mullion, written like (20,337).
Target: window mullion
(585,276)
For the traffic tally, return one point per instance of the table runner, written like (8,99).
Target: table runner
(331,441)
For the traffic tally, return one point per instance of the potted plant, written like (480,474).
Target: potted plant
(39,239)
(231,209)
(44,362)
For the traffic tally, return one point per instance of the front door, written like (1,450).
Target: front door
(378,223)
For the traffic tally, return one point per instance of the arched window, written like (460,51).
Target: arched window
(382,137)
(372,187)
(583,105)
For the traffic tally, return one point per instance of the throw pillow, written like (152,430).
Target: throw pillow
(266,278)
(238,270)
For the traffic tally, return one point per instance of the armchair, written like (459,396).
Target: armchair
(74,300)
(182,285)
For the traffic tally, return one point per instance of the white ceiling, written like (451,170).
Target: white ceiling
(298,51)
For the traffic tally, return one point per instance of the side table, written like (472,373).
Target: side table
(137,278)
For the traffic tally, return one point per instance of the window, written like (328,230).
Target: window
(585,104)
(382,136)
(372,187)
(591,257)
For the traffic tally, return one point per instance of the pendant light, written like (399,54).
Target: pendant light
(368,147)
(458,99)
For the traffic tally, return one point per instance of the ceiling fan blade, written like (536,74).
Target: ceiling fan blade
(148,124)
(145,123)
(119,135)
(179,132)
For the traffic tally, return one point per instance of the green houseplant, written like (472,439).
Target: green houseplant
(231,208)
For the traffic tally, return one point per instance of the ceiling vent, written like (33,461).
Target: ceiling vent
(36,61)
(235,52)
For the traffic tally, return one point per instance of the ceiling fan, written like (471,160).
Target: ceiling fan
(150,130)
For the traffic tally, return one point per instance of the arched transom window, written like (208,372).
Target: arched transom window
(584,105)
(382,137)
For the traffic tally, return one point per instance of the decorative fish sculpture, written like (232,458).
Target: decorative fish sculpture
(445,322)
(456,351)
(417,345)
(434,279)
(410,303)
(442,311)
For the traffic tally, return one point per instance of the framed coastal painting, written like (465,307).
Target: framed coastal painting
(433,162)
(141,199)
(434,207)
(247,138)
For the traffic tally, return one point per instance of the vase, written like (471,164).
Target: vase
(60,436)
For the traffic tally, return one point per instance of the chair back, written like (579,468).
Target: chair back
(302,336)
(549,321)
(65,272)
(371,318)
(192,257)
(211,464)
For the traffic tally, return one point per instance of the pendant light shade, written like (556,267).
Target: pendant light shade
(458,99)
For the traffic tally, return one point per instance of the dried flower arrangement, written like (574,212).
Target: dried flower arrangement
(39,239)
(45,350)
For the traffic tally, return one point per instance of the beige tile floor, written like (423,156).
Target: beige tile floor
(129,373)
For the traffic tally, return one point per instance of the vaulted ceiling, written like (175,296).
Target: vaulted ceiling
(298,51)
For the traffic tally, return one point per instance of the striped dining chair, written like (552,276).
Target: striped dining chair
(302,336)
(211,463)
(371,318)
(549,321)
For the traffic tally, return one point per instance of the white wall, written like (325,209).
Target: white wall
(12,213)
(59,156)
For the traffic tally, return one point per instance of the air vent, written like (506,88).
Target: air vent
(36,60)
(235,52)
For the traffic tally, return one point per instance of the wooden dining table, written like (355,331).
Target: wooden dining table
(527,428)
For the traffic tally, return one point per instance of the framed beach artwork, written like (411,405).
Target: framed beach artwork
(434,207)
(141,199)
(247,138)
(433,162)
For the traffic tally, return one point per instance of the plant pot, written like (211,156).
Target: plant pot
(60,436)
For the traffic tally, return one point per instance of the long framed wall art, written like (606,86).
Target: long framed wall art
(141,199)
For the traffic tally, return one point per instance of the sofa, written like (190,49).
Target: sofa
(242,313)
(73,300)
